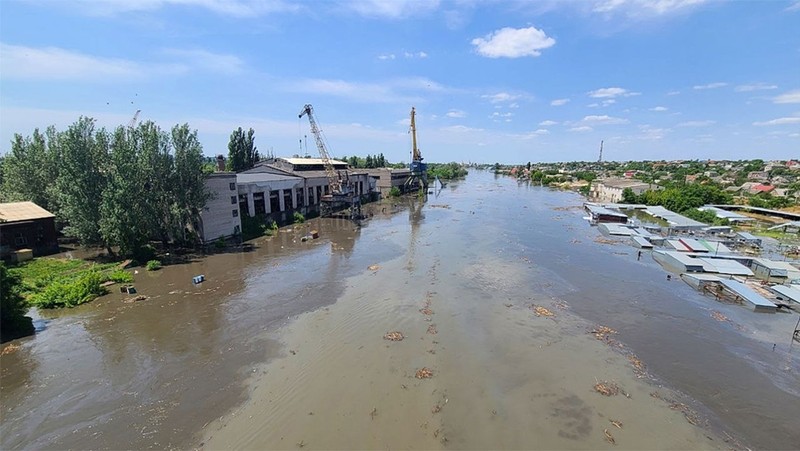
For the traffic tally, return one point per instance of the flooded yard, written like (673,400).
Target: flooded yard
(518,331)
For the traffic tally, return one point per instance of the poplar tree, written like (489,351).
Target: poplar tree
(242,152)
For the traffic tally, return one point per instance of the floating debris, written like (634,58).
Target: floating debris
(602,332)
(436,409)
(606,388)
(617,424)
(432,329)
(609,437)
(424,373)
(719,316)
(602,240)
(541,311)
(688,413)
(394,336)
(561,304)
(373,413)
(508,305)
(426,311)
(374,267)
(10,349)
(638,365)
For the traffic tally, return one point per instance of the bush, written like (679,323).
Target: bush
(13,322)
(121,276)
(144,253)
(299,218)
(69,293)
(220,243)
(153,265)
(394,192)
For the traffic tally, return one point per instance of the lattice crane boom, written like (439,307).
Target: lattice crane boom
(333,180)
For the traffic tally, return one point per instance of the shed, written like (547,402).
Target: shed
(745,293)
(25,225)
(772,271)
(748,238)
(787,292)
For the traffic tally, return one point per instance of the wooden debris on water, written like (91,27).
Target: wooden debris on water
(603,332)
(719,316)
(609,437)
(638,365)
(617,424)
(373,413)
(10,349)
(374,267)
(426,311)
(538,310)
(432,329)
(424,373)
(606,388)
(394,336)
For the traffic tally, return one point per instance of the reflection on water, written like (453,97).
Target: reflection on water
(112,374)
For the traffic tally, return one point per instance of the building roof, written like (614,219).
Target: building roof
(22,211)
(763,188)
(674,219)
(304,161)
(622,183)
(258,177)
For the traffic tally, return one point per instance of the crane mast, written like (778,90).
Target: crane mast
(333,179)
(415,154)
(419,170)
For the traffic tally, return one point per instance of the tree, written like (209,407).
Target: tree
(190,193)
(30,168)
(629,197)
(82,180)
(13,322)
(123,220)
(242,152)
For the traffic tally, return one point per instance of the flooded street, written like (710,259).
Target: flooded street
(283,347)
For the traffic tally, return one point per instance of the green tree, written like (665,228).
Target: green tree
(13,322)
(82,179)
(123,220)
(30,167)
(629,197)
(242,152)
(188,187)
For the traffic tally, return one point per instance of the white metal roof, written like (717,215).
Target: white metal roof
(299,161)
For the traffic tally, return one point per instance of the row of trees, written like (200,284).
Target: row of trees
(118,188)
(370,162)
(683,199)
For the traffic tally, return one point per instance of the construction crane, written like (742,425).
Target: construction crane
(600,159)
(419,170)
(342,194)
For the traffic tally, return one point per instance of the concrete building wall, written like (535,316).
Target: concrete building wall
(220,217)
(611,190)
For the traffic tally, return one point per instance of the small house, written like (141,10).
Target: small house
(27,228)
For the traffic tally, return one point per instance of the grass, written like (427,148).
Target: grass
(153,265)
(52,282)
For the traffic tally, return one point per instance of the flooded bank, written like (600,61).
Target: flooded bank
(283,347)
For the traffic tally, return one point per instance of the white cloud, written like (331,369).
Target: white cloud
(705,123)
(788,97)
(411,55)
(456,114)
(794,7)
(513,105)
(388,56)
(604,120)
(673,93)
(559,102)
(402,90)
(547,123)
(754,87)
(715,85)
(641,9)
(608,93)
(234,8)
(391,9)
(460,129)
(659,108)
(500,97)
(213,62)
(581,129)
(53,63)
(513,43)
(497,115)
(780,121)
(650,133)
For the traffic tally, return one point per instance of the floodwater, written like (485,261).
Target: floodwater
(283,347)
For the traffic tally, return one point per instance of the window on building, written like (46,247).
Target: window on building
(237,230)
(233,200)
(235,213)
(20,239)
(233,186)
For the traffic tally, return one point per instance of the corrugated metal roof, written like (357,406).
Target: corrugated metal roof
(729,215)
(788,292)
(642,242)
(256,177)
(723,266)
(693,245)
(598,210)
(299,161)
(22,211)
(674,219)
(616,229)
(747,293)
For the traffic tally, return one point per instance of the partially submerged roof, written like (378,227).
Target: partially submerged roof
(22,211)
(724,266)
(616,229)
(748,294)
(674,219)
(729,215)
(788,292)
(600,210)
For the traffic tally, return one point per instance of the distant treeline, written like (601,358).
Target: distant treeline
(684,199)
(118,188)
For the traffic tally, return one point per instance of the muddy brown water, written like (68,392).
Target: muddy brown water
(282,347)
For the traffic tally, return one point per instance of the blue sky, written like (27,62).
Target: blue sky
(492,81)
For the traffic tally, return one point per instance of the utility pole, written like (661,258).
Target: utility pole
(600,160)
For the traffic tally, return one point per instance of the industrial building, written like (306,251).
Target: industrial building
(220,217)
